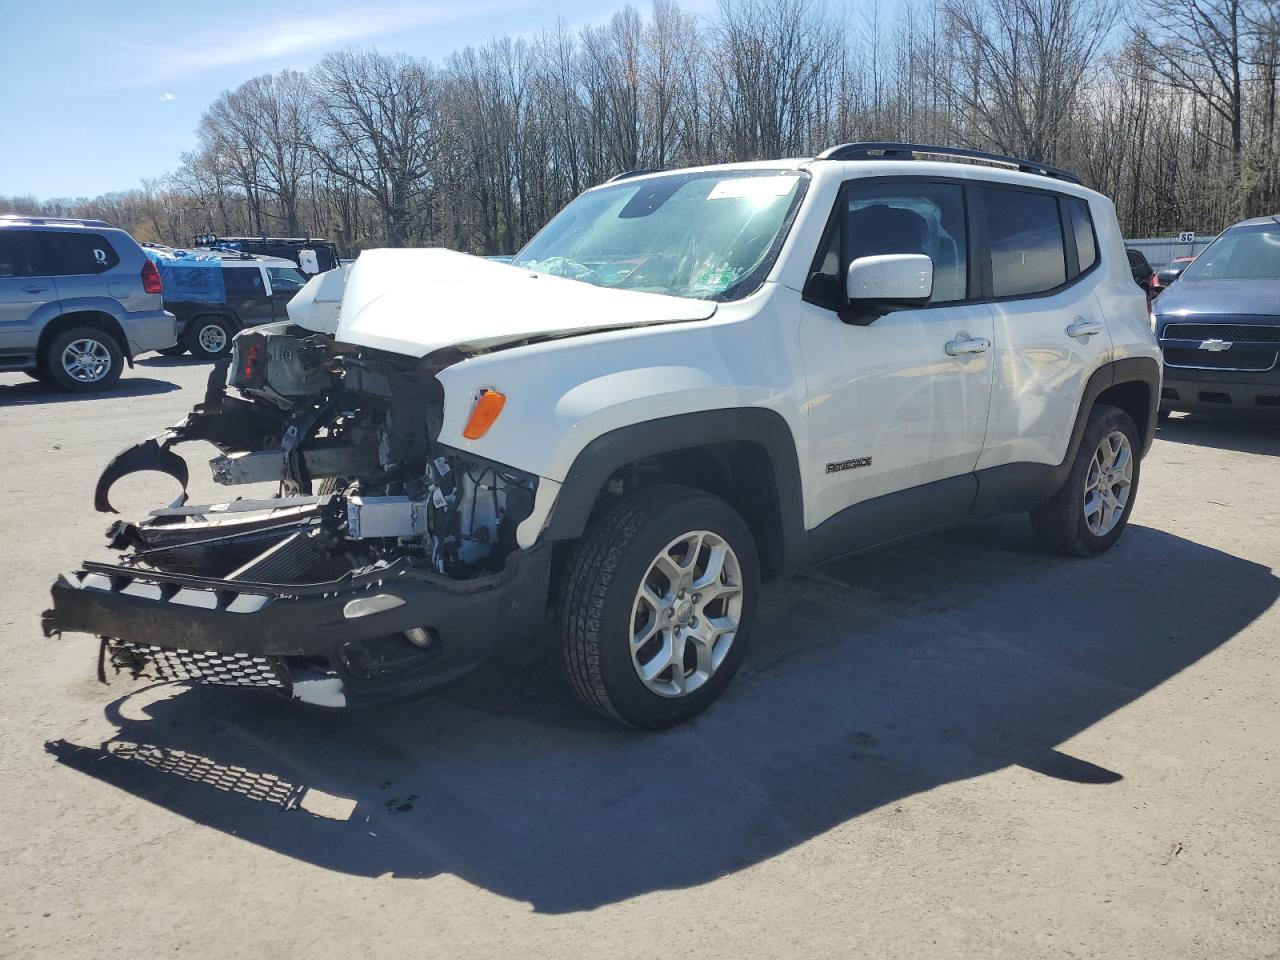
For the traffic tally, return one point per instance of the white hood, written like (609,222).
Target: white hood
(414,301)
(315,306)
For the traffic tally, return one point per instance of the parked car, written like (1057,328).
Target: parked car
(693,382)
(1140,269)
(252,290)
(1219,325)
(78,300)
(1170,272)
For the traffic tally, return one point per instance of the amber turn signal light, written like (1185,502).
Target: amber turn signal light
(484,413)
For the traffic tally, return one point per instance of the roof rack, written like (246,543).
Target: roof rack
(873,150)
(65,221)
(628,174)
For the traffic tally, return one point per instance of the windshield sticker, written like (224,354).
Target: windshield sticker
(716,278)
(753,188)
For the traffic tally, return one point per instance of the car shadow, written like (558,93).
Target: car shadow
(186,360)
(1222,432)
(871,679)
(35,392)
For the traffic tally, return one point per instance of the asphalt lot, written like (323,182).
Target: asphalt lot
(957,746)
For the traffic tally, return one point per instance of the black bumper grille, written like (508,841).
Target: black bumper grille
(193,666)
(1253,333)
(1236,358)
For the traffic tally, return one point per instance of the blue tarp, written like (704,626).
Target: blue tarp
(190,277)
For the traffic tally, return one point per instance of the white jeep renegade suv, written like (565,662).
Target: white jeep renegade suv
(688,382)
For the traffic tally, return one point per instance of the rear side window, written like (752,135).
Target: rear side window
(74,254)
(1082,227)
(1024,232)
(242,281)
(13,254)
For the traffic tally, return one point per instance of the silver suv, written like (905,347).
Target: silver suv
(78,299)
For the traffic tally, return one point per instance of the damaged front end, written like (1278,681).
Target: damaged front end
(386,564)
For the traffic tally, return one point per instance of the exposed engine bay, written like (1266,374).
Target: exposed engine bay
(349,435)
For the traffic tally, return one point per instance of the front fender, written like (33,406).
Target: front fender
(564,394)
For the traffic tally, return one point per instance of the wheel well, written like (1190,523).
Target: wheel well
(1134,398)
(83,318)
(231,319)
(738,472)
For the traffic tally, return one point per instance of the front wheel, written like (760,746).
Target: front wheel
(657,605)
(1091,510)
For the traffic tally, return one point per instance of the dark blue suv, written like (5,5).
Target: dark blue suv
(1219,325)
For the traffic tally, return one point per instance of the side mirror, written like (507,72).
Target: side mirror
(882,284)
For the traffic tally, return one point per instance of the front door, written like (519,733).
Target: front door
(898,405)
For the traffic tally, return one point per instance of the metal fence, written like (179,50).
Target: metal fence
(1160,250)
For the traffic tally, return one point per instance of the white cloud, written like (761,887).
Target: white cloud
(166,97)
(271,42)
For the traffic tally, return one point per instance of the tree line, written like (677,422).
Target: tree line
(1167,106)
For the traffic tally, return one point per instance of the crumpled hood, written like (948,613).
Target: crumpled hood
(414,301)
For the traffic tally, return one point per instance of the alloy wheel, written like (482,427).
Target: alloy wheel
(1108,483)
(686,613)
(86,360)
(212,338)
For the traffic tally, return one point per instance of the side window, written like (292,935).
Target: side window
(74,254)
(1024,233)
(1082,227)
(285,279)
(13,254)
(880,217)
(242,281)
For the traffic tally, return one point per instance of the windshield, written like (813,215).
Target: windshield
(706,236)
(1242,253)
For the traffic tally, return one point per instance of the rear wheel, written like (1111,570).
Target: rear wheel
(1091,510)
(657,605)
(82,360)
(209,337)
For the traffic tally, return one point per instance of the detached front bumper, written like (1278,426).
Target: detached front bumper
(383,633)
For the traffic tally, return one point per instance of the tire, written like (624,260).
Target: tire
(600,607)
(176,350)
(209,337)
(39,373)
(82,360)
(1065,524)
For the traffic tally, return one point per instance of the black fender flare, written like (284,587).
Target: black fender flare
(611,451)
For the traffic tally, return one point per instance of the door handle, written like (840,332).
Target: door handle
(965,344)
(1084,328)
(32,288)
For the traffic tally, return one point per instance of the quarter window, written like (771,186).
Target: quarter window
(896,217)
(13,254)
(76,254)
(1024,233)
(1082,227)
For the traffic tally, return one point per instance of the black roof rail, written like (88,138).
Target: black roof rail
(873,150)
(65,221)
(628,174)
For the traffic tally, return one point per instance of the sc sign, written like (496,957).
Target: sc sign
(1187,236)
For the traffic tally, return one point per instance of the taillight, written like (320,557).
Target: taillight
(151,279)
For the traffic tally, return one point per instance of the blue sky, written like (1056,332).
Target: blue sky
(98,95)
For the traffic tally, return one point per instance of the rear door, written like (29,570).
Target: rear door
(81,265)
(1050,333)
(247,292)
(25,288)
